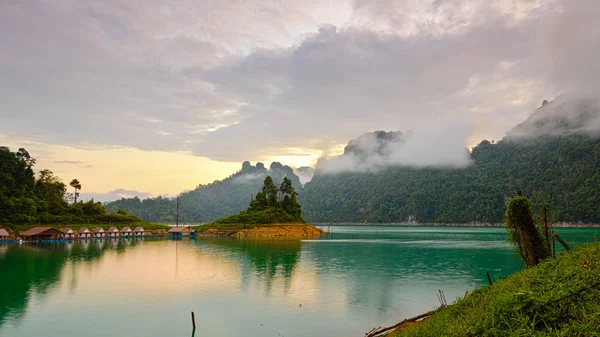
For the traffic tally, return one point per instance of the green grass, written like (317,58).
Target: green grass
(559,297)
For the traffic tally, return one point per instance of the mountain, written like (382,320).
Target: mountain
(568,114)
(553,157)
(211,201)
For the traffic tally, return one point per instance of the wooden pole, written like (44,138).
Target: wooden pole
(489,278)
(193,321)
(177,214)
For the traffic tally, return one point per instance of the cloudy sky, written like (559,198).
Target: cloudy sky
(156,96)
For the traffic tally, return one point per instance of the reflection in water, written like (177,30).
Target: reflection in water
(339,285)
(266,257)
(35,268)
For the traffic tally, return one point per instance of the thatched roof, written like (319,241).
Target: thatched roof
(3,232)
(139,229)
(41,230)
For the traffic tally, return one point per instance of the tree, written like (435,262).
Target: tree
(25,157)
(76,187)
(270,191)
(523,233)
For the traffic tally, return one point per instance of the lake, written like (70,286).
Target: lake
(339,285)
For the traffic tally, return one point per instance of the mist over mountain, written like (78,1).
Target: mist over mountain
(566,115)
(304,173)
(436,146)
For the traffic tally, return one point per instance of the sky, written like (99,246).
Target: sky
(152,98)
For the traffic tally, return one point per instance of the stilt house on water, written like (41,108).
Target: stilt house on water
(138,231)
(84,232)
(69,233)
(99,232)
(3,234)
(177,232)
(112,232)
(126,232)
(42,233)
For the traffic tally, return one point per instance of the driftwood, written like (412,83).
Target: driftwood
(562,242)
(378,331)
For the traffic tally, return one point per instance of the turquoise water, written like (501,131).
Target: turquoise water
(340,285)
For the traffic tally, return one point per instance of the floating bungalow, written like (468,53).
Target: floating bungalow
(126,232)
(138,231)
(84,232)
(3,234)
(69,233)
(42,233)
(112,232)
(177,232)
(99,232)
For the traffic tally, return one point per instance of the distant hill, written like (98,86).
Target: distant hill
(554,157)
(211,201)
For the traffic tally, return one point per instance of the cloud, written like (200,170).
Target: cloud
(280,75)
(436,146)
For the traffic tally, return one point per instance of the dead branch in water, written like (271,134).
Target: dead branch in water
(378,331)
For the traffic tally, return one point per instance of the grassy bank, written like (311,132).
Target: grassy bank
(560,297)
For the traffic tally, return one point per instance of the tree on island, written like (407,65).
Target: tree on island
(272,205)
(528,239)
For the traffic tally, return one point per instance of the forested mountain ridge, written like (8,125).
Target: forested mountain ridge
(209,202)
(553,156)
(561,172)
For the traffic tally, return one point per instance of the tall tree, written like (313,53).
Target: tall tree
(76,187)
(270,191)
(523,233)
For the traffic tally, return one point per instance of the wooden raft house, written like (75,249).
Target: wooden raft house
(139,231)
(99,232)
(3,234)
(112,232)
(126,232)
(178,232)
(42,233)
(69,233)
(84,232)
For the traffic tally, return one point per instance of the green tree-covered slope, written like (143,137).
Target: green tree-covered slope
(560,172)
(27,199)
(209,202)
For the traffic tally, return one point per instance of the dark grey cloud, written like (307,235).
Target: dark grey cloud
(247,80)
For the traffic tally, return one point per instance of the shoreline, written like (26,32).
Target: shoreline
(434,224)
(277,230)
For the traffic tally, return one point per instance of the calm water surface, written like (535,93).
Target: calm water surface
(340,285)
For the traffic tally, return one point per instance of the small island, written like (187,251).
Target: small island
(273,212)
